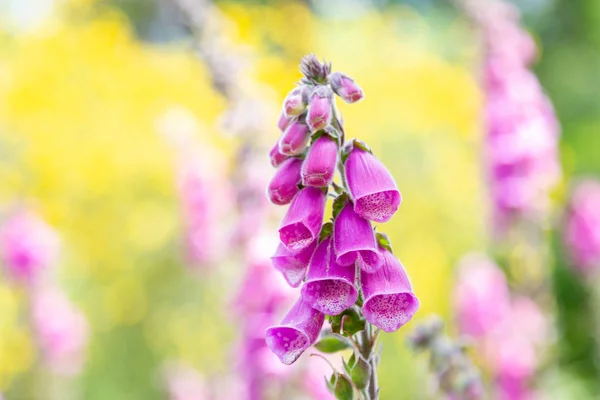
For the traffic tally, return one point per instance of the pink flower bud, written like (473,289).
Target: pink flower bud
(293,265)
(329,286)
(319,108)
(302,223)
(284,185)
(375,194)
(389,299)
(283,121)
(354,240)
(295,102)
(345,87)
(276,157)
(27,245)
(319,167)
(299,330)
(294,139)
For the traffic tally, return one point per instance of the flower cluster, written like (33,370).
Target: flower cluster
(508,332)
(454,373)
(344,265)
(582,227)
(522,130)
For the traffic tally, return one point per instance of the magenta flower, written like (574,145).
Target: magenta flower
(27,245)
(294,139)
(329,287)
(302,223)
(319,108)
(345,87)
(373,189)
(581,233)
(299,329)
(319,167)
(293,266)
(389,301)
(284,185)
(276,157)
(61,330)
(295,102)
(354,240)
(481,297)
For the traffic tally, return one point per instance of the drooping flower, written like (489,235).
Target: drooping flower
(329,287)
(481,296)
(293,265)
(375,194)
(61,330)
(298,330)
(295,102)
(320,163)
(27,245)
(283,122)
(389,301)
(302,223)
(319,108)
(581,232)
(294,138)
(284,185)
(354,240)
(345,87)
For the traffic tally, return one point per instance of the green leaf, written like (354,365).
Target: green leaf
(343,388)
(360,373)
(326,230)
(384,241)
(332,344)
(339,203)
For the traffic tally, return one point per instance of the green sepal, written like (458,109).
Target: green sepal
(332,343)
(342,388)
(359,371)
(332,132)
(384,241)
(326,231)
(339,203)
(347,323)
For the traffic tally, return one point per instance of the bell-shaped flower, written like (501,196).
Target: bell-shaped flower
(302,223)
(389,301)
(345,87)
(298,330)
(372,187)
(284,185)
(319,108)
(354,240)
(294,139)
(329,287)
(293,265)
(320,163)
(284,121)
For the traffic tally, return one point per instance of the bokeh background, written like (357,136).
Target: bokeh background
(86,92)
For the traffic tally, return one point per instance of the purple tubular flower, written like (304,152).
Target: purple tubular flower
(299,329)
(372,187)
(302,223)
(320,163)
(319,108)
(284,185)
(354,240)
(295,102)
(294,139)
(293,265)
(389,299)
(345,87)
(276,157)
(329,287)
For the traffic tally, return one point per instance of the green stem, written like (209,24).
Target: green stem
(368,343)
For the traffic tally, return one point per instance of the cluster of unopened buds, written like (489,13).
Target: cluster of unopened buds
(454,373)
(348,271)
